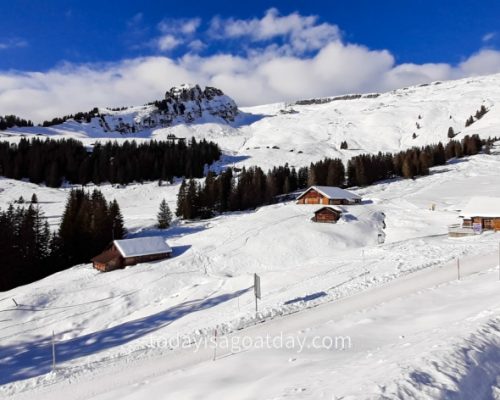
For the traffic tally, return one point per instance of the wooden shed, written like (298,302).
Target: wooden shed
(327,214)
(328,195)
(483,213)
(122,253)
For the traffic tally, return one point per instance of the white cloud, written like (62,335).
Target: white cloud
(489,36)
(12,43)
(303,33)
(182,25)
(175,32)
(167,42)
(196,45)
(482,63)
(262,75)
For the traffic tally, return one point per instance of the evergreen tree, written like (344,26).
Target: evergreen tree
(458,150)
(164,215)
(451,133)
(311,177)
(116,218)
(181,200)
(408,169)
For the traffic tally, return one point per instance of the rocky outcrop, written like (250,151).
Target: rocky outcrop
(182,104)
(190,102)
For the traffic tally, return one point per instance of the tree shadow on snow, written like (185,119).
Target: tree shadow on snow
(31,359)
(309,297)
(172,232)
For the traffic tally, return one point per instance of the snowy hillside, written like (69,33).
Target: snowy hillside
(385,275)
(102,321)
(304,131)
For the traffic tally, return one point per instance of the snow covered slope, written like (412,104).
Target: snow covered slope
(309,130)
(106,325)
(100,319)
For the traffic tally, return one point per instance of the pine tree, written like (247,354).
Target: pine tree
(312,176)
(424,163)
(181,200)
(34,199)
(164,215)
(408,170)
(451,133)
(116,218)
(458,150)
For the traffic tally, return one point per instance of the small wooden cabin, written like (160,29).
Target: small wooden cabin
(328,195)
(483,212)
(122,253)
(327,214)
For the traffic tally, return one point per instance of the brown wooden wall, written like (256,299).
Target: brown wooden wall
(313,197)
(486,223)
(326,216)
(141,259)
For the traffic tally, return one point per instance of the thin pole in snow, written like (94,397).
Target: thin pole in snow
(364,265)
(53,352)
(458,268)
(15,302)
(215,344)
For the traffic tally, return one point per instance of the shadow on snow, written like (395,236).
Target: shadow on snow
(28,360)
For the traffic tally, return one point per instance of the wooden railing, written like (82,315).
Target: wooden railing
(458,229)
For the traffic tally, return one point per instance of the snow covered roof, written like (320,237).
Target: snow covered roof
(333,192)
(334,209)
(142,246)
(482,207)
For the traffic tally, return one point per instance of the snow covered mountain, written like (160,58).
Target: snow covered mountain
(181,105)
(305,130)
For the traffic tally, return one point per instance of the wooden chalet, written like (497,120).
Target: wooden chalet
(328,195)
(327,214)
(122,253)
(482,213)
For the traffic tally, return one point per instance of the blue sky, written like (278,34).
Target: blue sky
(267,46)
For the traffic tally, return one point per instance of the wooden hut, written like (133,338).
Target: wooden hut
(482,213)
(328,195)
(122,253)
(327,215)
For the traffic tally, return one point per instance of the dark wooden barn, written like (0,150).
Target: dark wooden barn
(122,253)
(327,214)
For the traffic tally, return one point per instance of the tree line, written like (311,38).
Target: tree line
(252,187)
(30,251)
(78,117)
(477,116)
(9,121)
(56,161)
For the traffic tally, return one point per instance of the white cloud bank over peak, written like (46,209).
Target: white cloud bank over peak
(263,74)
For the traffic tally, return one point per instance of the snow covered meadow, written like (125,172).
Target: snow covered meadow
(415,331)
(101,319)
